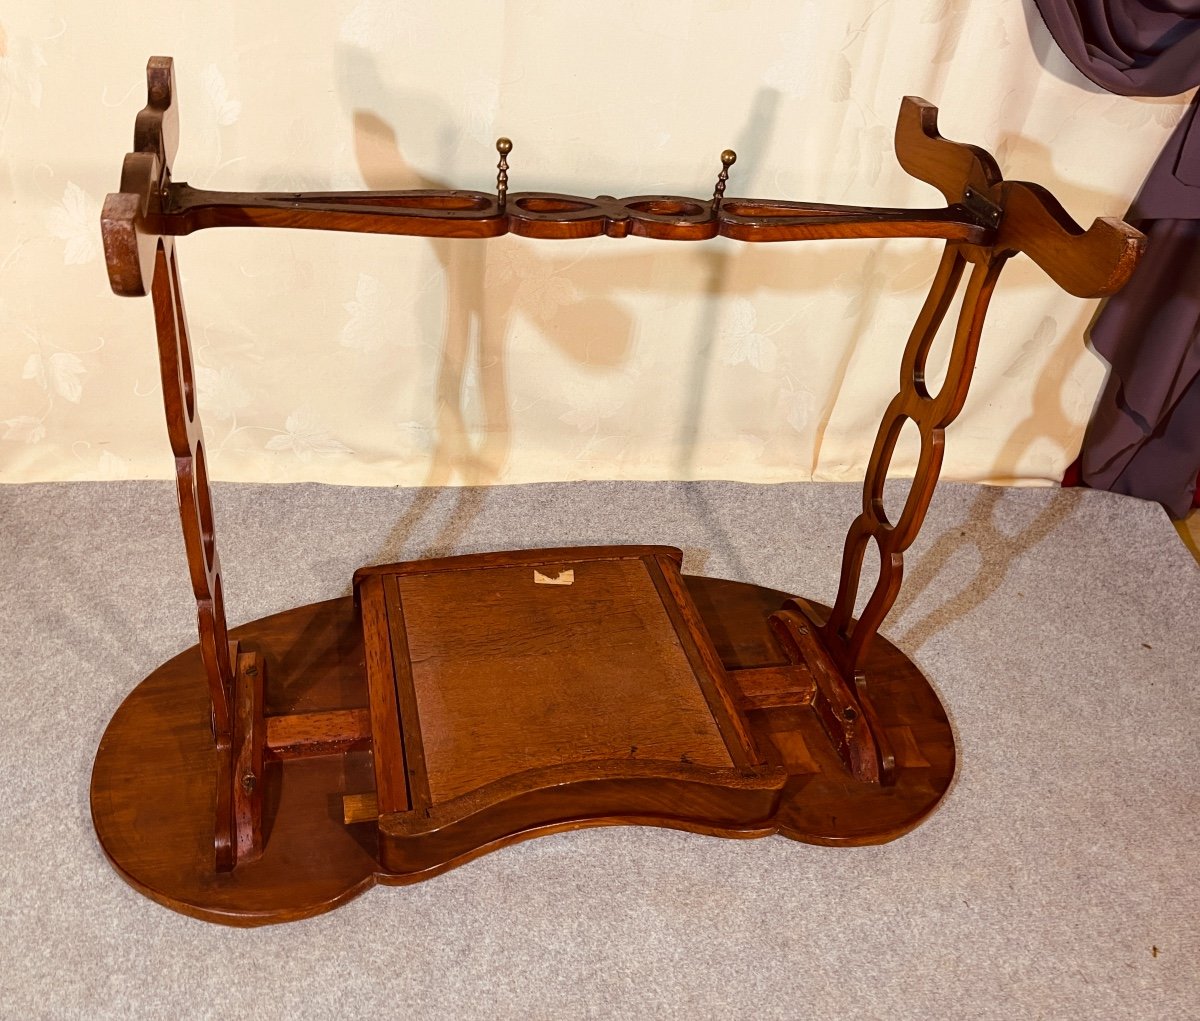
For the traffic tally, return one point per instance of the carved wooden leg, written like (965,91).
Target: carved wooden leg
(845,640)
(196,514)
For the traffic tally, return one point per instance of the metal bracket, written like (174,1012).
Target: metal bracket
(982,208)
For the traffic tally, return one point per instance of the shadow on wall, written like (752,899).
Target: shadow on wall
(1048,419)
(477,308)
(474,329)
(480,299)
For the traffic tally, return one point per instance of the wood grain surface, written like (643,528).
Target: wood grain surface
(154,781)
(460,704)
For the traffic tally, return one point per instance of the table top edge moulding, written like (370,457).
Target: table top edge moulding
(456,705)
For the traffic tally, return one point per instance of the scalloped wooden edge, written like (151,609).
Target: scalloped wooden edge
(1088,263)
(951,167)
(129,246)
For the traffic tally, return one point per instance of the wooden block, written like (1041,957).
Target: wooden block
(359,808)
(548,685)
(248,740)
(773,687)
(302,734)
(510,675)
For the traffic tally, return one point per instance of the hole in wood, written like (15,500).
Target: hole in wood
(937,359)
(183,346)
(868,577)
(473,203)
(534,204)
(668,207)
(218,605)
(901,466)
(203,497)
(766,210)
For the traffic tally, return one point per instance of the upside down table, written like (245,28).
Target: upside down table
(455,705)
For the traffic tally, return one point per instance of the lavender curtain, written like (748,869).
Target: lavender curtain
(1144,438)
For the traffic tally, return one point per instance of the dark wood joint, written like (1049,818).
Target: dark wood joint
(491,697)
(248,779)
(836,702)
(981,206)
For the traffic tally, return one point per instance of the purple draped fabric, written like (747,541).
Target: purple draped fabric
(1144,438)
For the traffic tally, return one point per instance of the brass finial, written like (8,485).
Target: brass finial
(728,159)
(503,147)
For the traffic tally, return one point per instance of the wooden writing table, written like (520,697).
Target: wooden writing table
(456,705)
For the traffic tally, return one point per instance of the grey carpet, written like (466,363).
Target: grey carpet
(1057,880)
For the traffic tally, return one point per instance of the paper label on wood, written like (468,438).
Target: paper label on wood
(562,578)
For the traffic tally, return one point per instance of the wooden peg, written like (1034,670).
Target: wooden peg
(503,147)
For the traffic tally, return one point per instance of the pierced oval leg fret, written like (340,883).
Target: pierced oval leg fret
(847,640)
(195,495)
(492,707)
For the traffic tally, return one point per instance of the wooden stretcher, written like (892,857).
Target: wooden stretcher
(453,706)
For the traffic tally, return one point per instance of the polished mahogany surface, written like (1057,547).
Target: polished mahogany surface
(154,781)
(458,705)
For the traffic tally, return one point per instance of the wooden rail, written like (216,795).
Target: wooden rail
(986,221)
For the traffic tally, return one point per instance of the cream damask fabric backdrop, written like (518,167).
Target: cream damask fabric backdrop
(385,361)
